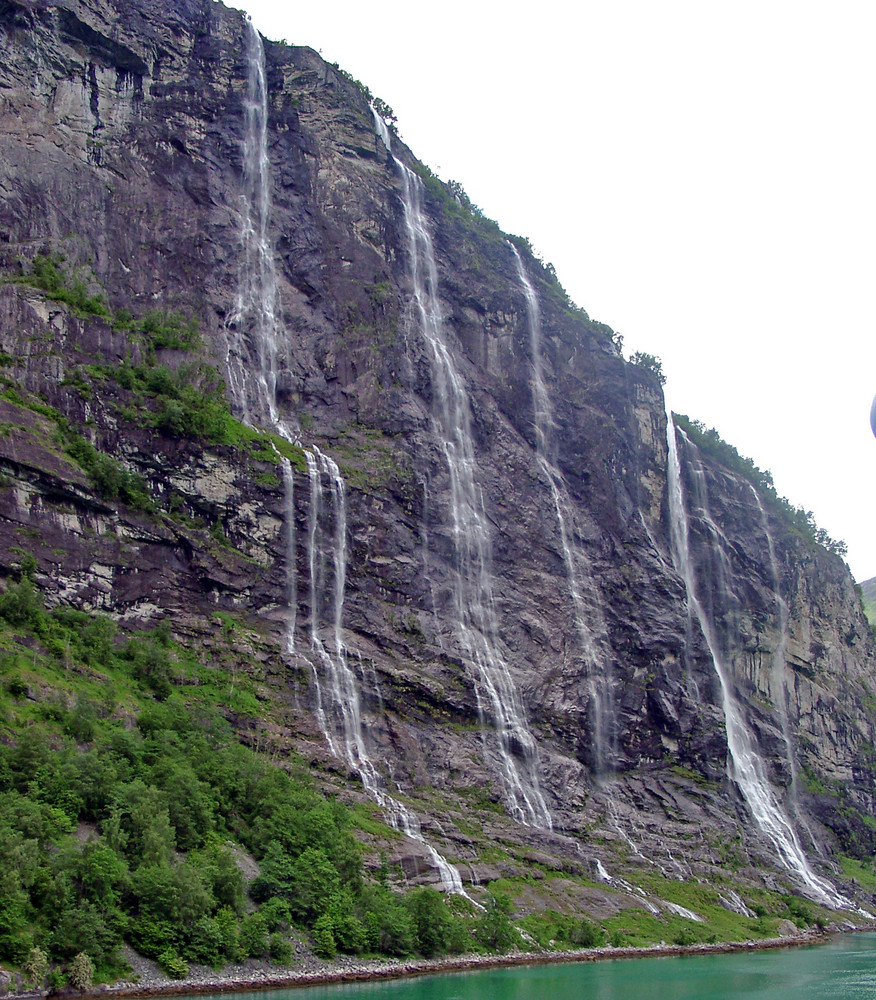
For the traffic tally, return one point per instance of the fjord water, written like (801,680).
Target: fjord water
(844,969)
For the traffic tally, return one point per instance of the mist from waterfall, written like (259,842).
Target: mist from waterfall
(745,765)
(587,614)
(499,702)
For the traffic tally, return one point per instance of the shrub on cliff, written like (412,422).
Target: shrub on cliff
(80,972)
(650,363)
(175,966)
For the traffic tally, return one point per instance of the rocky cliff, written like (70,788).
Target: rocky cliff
(441,520)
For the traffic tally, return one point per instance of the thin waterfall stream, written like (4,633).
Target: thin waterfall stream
(498,698)
(745,765)
(778,671)
(252,330)
(252,348)
(588,617)
(337,691)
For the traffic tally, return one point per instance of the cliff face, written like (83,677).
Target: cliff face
(496,572)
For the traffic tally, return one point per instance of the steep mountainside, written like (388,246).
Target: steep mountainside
(468,575)
(868,598)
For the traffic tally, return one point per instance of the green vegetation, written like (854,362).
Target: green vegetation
(476,233)
(186,399)
(799,520)
(110,478)
(190,397)
(456,205)
(721,924)
(650,363)
(126,800)
(554,930)
(369,459)
(559,931)
(62,283)
(384,110)
(379,105)
(49,274)
(867,593)
(856,830)
(167,330)
(860,871)
(496,931)
(189,400)
(553,289)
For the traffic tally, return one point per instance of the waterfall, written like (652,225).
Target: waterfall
(252,349)
(252,330)
(474,614)
(327,557)
(291,574)
(621,885)
(337,690)
(778,671)
(745,766)
(382,131)
(599,679)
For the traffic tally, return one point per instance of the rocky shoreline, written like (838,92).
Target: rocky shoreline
(148,980)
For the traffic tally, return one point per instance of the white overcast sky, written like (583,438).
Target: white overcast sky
(701,174)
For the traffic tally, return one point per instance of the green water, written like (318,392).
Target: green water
(844,969)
